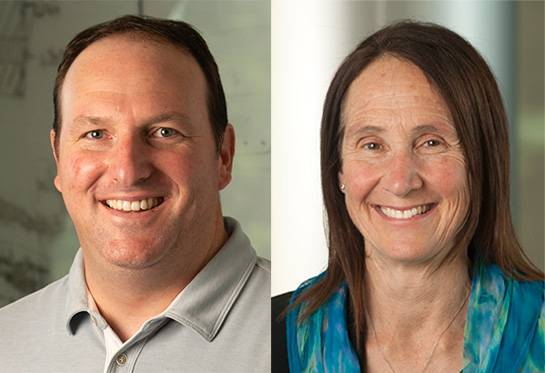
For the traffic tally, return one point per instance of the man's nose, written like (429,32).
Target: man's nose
(130,161)
(401,175)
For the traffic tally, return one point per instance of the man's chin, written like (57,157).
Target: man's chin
(134,257)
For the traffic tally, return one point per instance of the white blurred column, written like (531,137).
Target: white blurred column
(307,46)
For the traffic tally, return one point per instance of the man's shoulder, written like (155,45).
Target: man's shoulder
(32,323)
(35,335)
(36,305)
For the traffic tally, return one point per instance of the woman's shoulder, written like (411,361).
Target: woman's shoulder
(491,279)
(279,350)
(504,325)
(279,303)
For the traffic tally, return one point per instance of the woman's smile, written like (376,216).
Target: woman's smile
(405,213)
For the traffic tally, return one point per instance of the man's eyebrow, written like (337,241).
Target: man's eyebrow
(83,120)
(168,117)
(160,118)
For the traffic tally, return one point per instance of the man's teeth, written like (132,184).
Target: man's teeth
(145,204)
(405,214)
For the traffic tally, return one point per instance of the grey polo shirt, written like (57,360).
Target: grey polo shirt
(219,323)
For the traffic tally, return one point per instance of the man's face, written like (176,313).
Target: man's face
(137,162)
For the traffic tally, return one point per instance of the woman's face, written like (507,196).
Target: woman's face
(403,166)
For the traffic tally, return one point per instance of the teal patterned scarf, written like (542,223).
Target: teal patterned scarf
(504,328)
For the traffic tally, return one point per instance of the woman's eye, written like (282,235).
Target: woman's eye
(372,146)
(95,135)
(433,146)
(432,143)
(165,132)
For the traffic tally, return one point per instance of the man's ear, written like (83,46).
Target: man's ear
(52,135)
(226,154)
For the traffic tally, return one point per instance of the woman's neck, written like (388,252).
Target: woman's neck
(412,308)
(417,294)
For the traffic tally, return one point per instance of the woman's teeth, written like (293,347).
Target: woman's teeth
(145,204)
(405,214)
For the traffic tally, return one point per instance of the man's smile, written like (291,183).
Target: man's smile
(144,204)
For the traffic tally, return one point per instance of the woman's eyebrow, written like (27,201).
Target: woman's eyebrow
(425,128)
(364,130)
(358,131)
(433,128)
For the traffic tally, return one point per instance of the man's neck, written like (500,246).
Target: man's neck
(128,297)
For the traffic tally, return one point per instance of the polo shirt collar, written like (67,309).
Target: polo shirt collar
(205,303)
(76,302)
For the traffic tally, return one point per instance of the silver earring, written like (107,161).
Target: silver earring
(343,187)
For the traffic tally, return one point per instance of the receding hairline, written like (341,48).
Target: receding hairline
(130,36)
(139,36)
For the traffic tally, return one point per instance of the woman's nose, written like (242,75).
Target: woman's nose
(130,162)
(401,175)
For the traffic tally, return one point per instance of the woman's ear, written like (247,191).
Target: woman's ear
(342,185)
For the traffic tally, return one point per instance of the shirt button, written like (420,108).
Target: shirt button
(94,320)
(121,360)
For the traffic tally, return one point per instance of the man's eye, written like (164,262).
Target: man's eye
(96,134)
(165,132)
